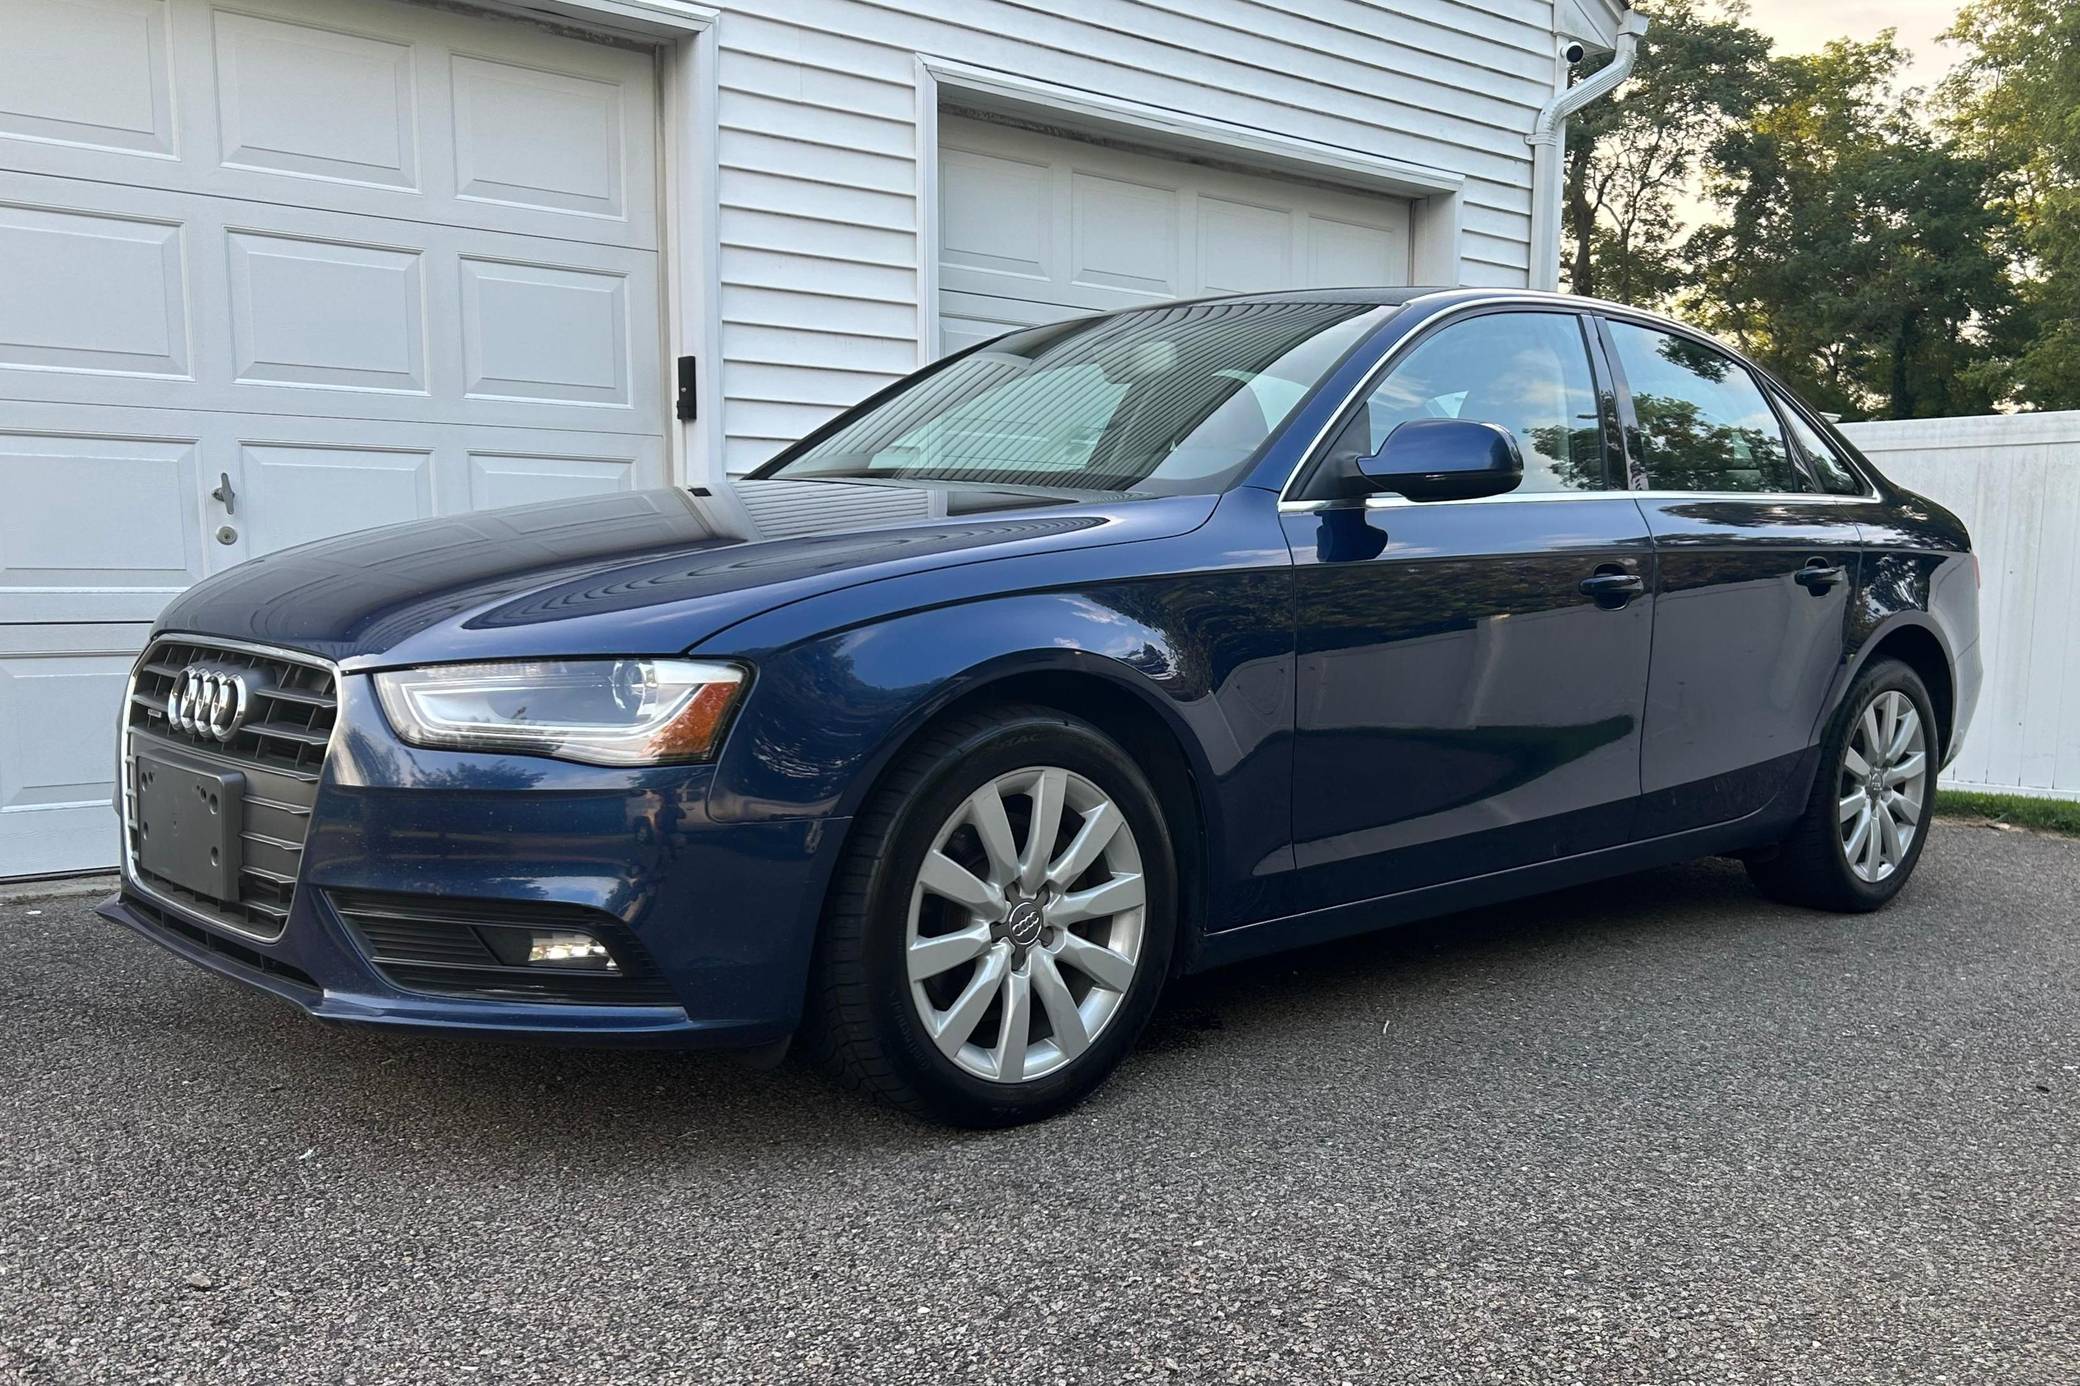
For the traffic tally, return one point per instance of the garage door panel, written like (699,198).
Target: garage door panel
(304,311)
(1350,253)
(532,138)
(1074,227)
(116,527)
(497,478)
(295,494)
(1243,248)
(1123,236)
(351,106)
(996,217)
(97,525)
(545,333)
(88,291)
(90,73)
(61,687)
(338,314)
(312,101)
(110,523)
(302,479)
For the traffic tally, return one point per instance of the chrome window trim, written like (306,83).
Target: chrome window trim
(1774,394)
(1783,401)
(1389,501)
(1525,298)
(129,865)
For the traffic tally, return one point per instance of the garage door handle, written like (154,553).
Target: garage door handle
(1818,575)
(225,494)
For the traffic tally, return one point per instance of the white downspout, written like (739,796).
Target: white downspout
(1547,139)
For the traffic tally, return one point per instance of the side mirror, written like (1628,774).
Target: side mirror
(1445,459)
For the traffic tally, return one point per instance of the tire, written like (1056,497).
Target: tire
(882,1021)
(1814,864)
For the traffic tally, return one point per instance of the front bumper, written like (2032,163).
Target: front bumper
(725,912)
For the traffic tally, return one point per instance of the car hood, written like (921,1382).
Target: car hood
(644,572)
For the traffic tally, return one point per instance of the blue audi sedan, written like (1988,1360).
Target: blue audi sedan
(1100,653)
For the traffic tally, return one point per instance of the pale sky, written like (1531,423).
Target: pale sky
(1800,26)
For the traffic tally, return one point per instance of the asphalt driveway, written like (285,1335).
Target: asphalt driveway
(1651,1131)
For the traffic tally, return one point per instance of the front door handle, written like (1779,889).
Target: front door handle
(1818,575)
(1612,587)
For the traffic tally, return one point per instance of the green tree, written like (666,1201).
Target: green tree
(2014,100)
(1631,156)
(1860,258)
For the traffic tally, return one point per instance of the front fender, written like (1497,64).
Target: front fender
(1199,633)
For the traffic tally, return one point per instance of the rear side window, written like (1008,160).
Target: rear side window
(1833,471)
(1704,424)
(1528,372)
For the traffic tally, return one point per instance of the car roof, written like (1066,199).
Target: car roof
(1357,293)
(1437,300)
(1432,295)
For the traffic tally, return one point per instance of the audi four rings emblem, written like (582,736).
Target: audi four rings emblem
(209,702)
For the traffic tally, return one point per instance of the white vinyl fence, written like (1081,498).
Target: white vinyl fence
(2015,480)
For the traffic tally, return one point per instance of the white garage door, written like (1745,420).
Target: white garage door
(276,271)
(1035,228)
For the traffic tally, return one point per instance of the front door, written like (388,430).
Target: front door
(1756,566)
(1464,705)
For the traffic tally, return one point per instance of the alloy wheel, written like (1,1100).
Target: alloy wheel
(1883,785)
(1026,923)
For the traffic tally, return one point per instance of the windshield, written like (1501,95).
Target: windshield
(1162,401)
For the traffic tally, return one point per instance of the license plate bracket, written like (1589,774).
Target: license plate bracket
(189,823)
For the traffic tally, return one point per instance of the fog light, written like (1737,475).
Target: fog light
(568,949)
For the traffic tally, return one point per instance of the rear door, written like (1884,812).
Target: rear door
(1755,569)
(1464,705)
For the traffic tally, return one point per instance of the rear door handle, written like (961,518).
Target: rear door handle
(1613,589)
(1818,575)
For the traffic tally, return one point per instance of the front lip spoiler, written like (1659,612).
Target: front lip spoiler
(663,1027)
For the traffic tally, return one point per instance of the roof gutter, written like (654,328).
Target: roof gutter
(1547,137)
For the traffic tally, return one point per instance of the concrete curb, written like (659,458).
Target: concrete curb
(56,888)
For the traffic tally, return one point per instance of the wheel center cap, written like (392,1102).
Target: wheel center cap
(1022,926)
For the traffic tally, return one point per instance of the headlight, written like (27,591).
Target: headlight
(603,712)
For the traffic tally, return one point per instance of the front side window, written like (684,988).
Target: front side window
(1528,372)
(1160,401)
(1829,467)
(1703,423)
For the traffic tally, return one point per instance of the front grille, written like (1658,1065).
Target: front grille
(280,751)
(444,947)
(250,958)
